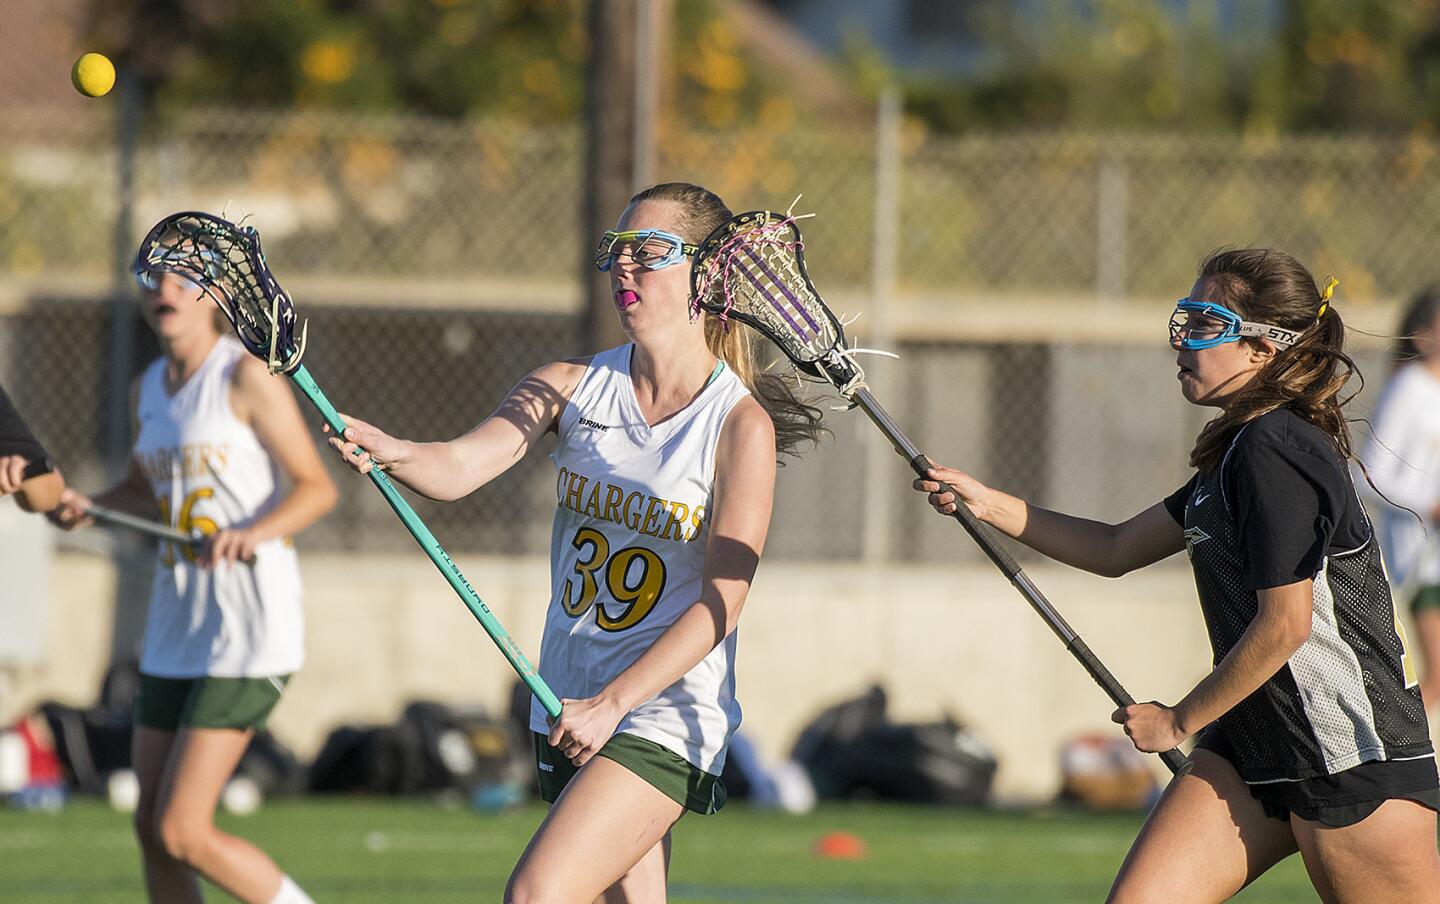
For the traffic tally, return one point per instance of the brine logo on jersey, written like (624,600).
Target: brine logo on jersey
(1194,536)
(593,425)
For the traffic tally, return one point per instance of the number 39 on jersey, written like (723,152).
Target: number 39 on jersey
(622,587)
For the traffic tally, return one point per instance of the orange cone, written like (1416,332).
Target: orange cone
(840,846)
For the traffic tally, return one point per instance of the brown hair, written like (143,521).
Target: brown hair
(1267,286)
(796,423)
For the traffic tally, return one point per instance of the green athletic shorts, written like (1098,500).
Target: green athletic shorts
(1425,598)
(671,774)
(167,704)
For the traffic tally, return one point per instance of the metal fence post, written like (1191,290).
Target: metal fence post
(132,565)
(1112,210)
(122,294)
(879,493)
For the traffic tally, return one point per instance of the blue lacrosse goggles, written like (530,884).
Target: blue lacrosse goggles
(653,249)
(1204,324)
(150,279)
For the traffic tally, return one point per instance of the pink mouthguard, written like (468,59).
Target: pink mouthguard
(625,298)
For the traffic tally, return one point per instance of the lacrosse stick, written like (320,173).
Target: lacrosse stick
(154,529)
(112,518)
(752,269)
(225,260)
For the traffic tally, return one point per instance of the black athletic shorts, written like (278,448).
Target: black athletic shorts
(1344,798)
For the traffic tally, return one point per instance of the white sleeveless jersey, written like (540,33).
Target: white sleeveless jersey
(1402,461)
(627,552)
(209,471)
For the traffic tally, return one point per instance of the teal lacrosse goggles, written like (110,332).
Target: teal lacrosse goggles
(1204,324)
(150,280)
(653,249)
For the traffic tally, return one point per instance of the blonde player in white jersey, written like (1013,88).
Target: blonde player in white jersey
(224,632)
(665,471)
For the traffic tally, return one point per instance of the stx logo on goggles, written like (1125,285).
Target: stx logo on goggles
(1204,324)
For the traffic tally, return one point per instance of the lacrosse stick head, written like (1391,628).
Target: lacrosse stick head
(225,261)
(752,268)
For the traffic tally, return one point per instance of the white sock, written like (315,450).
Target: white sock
(290,893)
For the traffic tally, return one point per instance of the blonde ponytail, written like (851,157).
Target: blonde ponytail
(797,423)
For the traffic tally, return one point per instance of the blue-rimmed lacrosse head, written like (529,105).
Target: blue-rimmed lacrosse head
(226,262)
(1204,324)
(653,249)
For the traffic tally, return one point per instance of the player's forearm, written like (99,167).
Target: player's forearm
(678,650)
(1078,542)
(1267,644)
(430,469)
(307,502)
(445,471)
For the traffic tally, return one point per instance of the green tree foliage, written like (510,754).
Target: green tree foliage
(441,57)
(524,59)
(1228,65)
(1264,66)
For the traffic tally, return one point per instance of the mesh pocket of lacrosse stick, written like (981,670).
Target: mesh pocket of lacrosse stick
(752,268)
(225,260)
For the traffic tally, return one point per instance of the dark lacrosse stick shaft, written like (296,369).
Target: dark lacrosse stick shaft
(1178,763)
(140,525)
(163,532)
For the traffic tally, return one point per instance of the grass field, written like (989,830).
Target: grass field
(372,850)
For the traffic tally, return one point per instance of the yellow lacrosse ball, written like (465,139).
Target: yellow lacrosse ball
(93,74)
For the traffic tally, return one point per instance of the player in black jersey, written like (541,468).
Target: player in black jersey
(25,469)
(1312,736)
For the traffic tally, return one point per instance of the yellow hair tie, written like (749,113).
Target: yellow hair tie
(1325,293)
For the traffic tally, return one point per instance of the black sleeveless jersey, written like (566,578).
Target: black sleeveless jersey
(15,436)
(1281,508)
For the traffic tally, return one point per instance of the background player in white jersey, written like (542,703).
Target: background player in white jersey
(1312,733)
(665,475)
(1402,458)
(225,628)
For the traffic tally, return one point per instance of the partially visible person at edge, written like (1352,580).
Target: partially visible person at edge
(665,465)
(1310,732)
(1402,460)
(225,630)
(25,469)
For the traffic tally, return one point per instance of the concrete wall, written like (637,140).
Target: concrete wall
(385,630)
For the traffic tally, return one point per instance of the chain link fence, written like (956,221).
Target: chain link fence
(438,262)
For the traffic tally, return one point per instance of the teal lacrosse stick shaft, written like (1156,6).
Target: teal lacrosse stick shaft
(301,377)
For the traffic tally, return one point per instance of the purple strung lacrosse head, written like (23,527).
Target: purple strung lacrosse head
(225,260)
(752,268)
